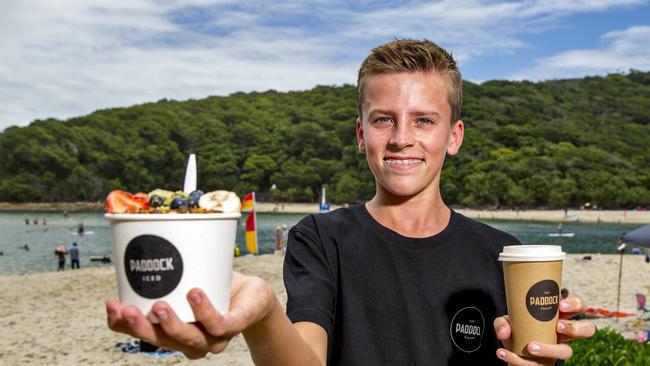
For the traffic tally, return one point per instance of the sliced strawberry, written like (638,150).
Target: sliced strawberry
(142,201)
(124,202)
(117,201)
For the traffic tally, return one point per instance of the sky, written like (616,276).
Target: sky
(67,58)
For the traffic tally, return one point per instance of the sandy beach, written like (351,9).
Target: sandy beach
(58,318)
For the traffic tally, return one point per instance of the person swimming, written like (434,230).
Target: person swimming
(24,247)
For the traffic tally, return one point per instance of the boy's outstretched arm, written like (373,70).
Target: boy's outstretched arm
(254,311)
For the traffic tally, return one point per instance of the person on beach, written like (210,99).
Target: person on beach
(74,256)
(60,253)
(285,238)
(278,238)
(399,280)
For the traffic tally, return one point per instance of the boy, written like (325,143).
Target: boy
(399,280)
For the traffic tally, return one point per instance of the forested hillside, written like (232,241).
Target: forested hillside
(549,144)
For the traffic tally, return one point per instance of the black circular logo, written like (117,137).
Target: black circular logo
(467,328)
(153,266)
(542,300)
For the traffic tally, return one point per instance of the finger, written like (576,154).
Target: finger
(131,321)
(568,330)
(571,307)
(138,326)
(185,334)
(502,327)
(515,360)
(211,320)
(114,315)
(121,318)
(552,351)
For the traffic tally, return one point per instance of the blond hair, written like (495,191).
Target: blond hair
(408,55)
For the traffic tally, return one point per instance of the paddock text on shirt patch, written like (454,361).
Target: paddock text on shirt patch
(466,329)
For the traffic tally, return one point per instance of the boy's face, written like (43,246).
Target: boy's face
(405,131)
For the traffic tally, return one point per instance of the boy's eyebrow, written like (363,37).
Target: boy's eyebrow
(379,111)
(428,113)
(414,114)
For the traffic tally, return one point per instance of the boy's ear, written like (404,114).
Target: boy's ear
(456,138)
(360,140)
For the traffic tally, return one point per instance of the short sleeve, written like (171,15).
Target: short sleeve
(309,277)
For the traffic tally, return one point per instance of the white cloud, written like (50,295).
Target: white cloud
(70,57)
(622,51)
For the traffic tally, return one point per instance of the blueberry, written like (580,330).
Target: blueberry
(193,199)
(156,201)
(197,193)
(178,203)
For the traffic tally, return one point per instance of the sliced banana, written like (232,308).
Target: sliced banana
(220,201)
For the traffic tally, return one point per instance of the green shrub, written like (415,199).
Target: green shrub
(608,348)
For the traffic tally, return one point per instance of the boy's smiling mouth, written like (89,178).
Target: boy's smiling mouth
(403,161)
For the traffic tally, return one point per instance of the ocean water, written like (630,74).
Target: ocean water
(42,239)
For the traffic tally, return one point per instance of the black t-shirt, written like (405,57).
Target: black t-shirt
(386,299)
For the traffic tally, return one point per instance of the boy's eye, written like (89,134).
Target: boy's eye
(383,120)
(424,121)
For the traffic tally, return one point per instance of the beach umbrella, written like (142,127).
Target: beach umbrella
(640,236)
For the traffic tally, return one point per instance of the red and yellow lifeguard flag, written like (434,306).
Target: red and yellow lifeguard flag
(251,233)
(248,201)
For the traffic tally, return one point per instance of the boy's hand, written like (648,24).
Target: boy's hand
(251,300)
(566,329)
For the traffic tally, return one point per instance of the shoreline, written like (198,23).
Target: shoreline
(590,216)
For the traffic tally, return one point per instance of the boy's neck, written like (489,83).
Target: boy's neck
(419,216)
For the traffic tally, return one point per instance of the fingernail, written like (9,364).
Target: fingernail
(534,348)
(161,314)
(561,326)
(502,353)
(196,298)
(129,319)
(564,305)
(501,328)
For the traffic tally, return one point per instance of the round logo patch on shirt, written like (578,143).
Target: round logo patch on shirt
(542,300)
(467,328)
(153,266)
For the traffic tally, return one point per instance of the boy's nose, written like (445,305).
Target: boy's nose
(401,136)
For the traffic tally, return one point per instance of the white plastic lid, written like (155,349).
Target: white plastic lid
(532,253)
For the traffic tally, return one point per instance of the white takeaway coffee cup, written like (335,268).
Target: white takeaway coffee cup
(532,276)
(163,256)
